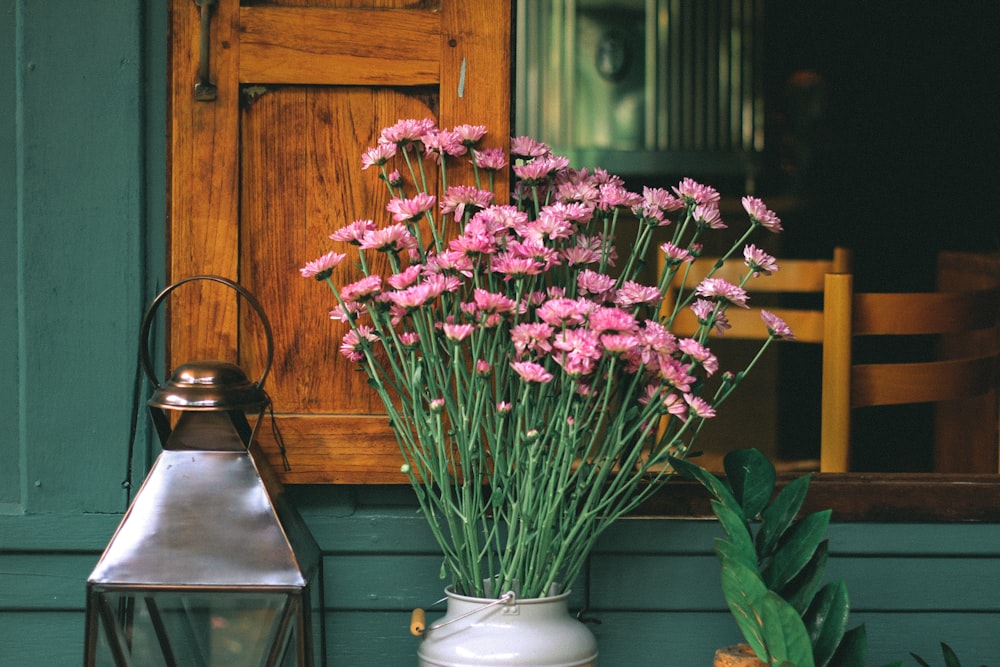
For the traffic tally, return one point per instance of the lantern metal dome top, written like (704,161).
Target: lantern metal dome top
(207,385)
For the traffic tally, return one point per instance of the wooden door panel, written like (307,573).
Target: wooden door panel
(338,46)
(296,192)
(262,176)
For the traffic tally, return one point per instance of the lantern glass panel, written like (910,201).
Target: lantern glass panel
(155,629)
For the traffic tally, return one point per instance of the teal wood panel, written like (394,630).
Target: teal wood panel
(57,532)
(10,465)
(650,582)
(52,639)
(80,267)
(36,581)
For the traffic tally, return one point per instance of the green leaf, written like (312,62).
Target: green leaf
(737,532)
(920,661)
(950,659)
(853,649)
(826,621)
(800,591)
(784,633)
(780,514)
(796,549)
(713,484)
(744,592)
(751,477)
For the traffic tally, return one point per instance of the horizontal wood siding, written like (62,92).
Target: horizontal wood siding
(652,589)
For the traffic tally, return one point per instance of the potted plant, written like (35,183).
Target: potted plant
(529,375)
(773,561)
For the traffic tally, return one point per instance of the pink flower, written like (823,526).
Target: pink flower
(321,268)
(497,218)
(760,214)
(579,256)
(612,319)
(406,277)
(457,332)
(366,288)
(410,210)
(469,135)
(531,372)
(491,302)
(394,238)
(759,261)
(540,169)
(675,254)
(699,353)
(406,131)
(776,326)
(707,216)
(492,159)
(442,142)
(541,254)
(694,193)
(451,262)
(355,341)
(633,294)
(526,147)
(551,224)
(347,312)
(564,312)
(709,314)
(458,197)
(377,156)
(532,337)
(614,195)
(483,367)
(514,267)
(593,283)
(409,338)
(699,406)
(354,232)
(619,343)
(674,373)
(723,289)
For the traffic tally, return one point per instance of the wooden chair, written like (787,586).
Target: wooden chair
(969,369)
(799,277)
(799,280)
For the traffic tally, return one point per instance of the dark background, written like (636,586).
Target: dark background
(890,140)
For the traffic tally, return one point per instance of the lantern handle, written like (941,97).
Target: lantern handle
(147,321)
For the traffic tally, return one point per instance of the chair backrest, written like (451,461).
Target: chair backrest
(793,277)
(969,369)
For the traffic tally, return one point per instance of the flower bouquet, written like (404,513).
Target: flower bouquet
(529,372)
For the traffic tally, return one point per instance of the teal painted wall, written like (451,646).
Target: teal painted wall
(82,118)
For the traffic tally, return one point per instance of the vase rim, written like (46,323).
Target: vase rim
(449,591)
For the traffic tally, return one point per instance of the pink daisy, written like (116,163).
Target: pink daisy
(759,261)
(354,232)
(761,214)
(531,372)
(722,289)
(410,210)
(776,326)
(321,268)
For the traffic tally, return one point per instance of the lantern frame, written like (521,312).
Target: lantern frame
(211,560)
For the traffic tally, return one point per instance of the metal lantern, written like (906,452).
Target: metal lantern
(210,565)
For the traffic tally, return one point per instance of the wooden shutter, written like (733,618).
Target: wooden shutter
(264,173)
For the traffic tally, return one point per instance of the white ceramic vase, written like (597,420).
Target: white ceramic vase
(484,632)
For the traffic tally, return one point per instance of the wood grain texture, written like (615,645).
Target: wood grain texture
(203,223)
(260,179)
(335,46)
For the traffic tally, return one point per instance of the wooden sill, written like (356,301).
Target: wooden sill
(863,497)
